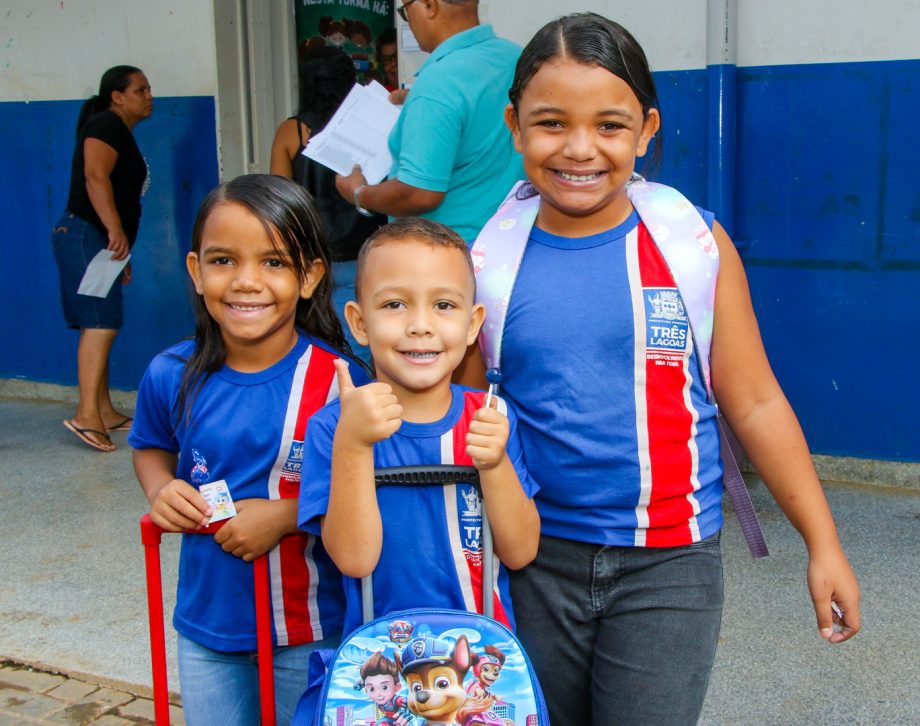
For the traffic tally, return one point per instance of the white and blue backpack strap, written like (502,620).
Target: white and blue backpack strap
(673,222)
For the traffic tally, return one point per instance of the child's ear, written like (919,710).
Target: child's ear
(193,265)
(649,128)
(313,275)
(511,121)
(355,319)
(476,320)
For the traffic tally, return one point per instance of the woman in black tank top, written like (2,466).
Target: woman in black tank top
(326,76)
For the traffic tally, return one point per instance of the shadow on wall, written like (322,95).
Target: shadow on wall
(179,143)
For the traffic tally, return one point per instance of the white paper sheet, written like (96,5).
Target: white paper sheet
(100,274)
(357,134)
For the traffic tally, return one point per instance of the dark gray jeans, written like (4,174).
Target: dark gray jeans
(621,635)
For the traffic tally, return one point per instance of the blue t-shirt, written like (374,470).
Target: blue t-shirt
(431,554)
(598,362)
(451,135)
(246,429)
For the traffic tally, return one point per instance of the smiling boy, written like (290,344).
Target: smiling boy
(416,312)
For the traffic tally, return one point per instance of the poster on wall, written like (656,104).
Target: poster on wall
(352,25)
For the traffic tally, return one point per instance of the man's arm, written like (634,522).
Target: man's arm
(391,197)
(430,132)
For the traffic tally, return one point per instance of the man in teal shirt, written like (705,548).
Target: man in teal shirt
(453,157)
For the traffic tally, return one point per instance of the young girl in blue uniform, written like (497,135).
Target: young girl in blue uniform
(232,405)
(620,610)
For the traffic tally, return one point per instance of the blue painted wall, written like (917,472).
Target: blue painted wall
(827,221)
(180,146)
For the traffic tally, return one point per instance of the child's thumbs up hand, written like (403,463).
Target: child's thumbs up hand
(343,376)
(370,413)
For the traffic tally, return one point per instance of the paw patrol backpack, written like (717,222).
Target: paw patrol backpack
(425,665)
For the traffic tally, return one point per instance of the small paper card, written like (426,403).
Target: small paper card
(101,273)
(217,494)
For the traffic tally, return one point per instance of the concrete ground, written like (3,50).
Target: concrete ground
(72,600)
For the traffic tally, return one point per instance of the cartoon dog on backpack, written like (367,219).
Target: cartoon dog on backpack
(480,700)
(434,672)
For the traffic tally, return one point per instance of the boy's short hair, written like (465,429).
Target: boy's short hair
(413,229)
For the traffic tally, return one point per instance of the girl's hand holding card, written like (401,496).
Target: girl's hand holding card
(257,527)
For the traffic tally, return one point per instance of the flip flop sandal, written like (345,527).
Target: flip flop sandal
(82,435)
(123,425)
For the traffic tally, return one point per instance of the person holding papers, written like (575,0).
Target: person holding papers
(326,75)
(453,157)
(103,212)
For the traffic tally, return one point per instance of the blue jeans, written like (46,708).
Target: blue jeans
(621,635)
(223,688)
(75,242)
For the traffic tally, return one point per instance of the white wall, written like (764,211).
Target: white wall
(58,49)
(777,32)
(672,32)
(824,31)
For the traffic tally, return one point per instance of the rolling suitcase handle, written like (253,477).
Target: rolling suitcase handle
(438,475)
(150,537)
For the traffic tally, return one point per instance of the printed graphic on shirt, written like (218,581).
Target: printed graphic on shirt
(199,474)
(293,464)
(469,506)
(665,415)
(666,325)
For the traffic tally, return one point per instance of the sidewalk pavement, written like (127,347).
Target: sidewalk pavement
(73,603)
(29,696)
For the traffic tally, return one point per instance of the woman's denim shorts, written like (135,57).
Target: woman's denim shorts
(75,242)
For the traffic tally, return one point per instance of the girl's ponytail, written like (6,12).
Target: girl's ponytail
(90,106)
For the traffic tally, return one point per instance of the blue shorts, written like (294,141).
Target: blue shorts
(75,242)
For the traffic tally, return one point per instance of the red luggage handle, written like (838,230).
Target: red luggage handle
(150,537)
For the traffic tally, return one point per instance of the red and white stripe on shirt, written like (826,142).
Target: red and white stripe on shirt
(291,566)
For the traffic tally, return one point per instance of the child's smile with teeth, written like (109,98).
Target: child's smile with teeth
(578,177)
(238,259)
(580,129)
(416,310)
(421,354)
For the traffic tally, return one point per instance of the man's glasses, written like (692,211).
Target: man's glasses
(402,10)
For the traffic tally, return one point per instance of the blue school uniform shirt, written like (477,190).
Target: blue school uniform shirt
(598,361)
(247,429)
(431,554)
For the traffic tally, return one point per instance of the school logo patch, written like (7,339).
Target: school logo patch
(294,462)
(470,513)
(666,325)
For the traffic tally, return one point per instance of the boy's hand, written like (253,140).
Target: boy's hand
(178,505)
(254,530)
(370,413)
(487,438)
